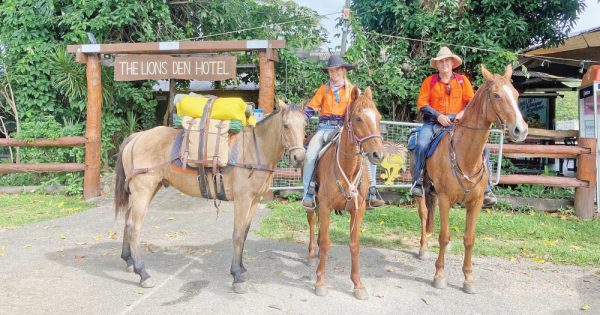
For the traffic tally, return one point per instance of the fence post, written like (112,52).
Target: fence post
(586,170)
(266,68)
(93,128)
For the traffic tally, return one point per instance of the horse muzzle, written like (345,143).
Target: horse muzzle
(376,157)
(297,157)
(518,132)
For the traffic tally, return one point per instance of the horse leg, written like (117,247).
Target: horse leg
(423,216)
(312,219)
(126,251)
(439,280)
(324,244)
(473,209)
(360,292)
(243,217)
(140,200)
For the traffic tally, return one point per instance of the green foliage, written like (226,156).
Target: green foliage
(396,66)
(536,191)
(567,106)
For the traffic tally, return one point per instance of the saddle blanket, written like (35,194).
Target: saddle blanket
(437,137)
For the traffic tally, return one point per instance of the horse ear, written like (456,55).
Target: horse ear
(368,93)
(486,74)
(508,71)
(281,105)
(355,93)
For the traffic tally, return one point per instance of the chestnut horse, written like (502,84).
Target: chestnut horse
(343,183)
(260,150)
(457,169)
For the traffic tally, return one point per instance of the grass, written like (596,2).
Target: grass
(19,210)
(541,237)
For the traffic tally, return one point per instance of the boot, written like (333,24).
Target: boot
(374,199)
(417,188)
(308,202)
(489,199)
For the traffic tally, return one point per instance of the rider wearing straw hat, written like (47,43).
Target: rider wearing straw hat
(331,100)
(442,99)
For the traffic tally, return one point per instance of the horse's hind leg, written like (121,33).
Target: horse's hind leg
(324,244)
(439,280)
(244,211)
(423,216)
(311,217)
(360,292)
(143,189)
(473,209)
(126,251)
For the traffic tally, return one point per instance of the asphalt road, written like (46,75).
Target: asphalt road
(72,265)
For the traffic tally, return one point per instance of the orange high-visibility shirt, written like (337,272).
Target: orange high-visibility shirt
(438,98)
(324,100)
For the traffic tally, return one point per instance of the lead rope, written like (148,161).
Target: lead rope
(352,186)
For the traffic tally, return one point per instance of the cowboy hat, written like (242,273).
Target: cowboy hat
(336,61)
(443,54)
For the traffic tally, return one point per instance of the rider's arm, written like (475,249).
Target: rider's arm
(429,113)
(315,103)
(423,101)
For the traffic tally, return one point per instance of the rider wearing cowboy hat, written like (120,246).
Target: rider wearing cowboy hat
(331,100)
(442,100)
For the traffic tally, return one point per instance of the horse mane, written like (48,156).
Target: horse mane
(288,109)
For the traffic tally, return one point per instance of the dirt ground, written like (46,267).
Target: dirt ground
(72,264)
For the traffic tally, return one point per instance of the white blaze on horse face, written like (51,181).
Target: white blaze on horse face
(515,106)
(371,115)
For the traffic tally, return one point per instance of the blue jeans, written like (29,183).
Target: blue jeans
(425,138)
(312,152)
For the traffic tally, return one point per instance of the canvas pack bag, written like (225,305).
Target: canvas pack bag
(213,150)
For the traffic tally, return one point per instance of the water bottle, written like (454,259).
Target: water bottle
(258,114)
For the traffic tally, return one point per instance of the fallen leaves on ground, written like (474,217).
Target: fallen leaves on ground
(585,307)
(112,234)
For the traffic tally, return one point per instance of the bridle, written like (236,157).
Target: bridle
(354,183)
(286,142)
(458,173)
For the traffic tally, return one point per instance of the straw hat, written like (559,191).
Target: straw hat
(443,54)
(336,61)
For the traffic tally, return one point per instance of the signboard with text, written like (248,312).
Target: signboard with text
(157,67)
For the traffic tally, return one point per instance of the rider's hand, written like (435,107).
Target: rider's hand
(459,116)
(444,120)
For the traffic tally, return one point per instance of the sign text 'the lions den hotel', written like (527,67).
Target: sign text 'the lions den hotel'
(156,67)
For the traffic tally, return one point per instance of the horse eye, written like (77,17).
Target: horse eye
(358,119)
(285,126)
(496,95)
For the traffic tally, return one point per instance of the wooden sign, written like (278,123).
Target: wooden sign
(157,67)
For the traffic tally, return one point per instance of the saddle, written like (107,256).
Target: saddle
(438,134)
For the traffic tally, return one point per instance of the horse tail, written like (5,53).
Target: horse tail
(431,203)
(121,191)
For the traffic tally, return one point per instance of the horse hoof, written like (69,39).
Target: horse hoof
(422,254)
(148,283)
(361,294)
(321,291)
(440,283)
(469,288)
(240,287)
(129,268)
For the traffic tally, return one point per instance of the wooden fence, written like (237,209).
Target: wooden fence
(584,182)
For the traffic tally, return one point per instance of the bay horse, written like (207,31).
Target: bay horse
(457,169)
(260,148)
(343,183)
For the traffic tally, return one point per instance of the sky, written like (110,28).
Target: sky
(587,20)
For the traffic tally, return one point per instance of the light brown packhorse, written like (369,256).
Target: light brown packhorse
(457,169)
(343,183)
(143,167)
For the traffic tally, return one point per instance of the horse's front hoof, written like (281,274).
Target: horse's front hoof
(240,287)
(321,291)
(440,283)
(469,288)
(129,268)
(422,254)
(361,294)
(148,283)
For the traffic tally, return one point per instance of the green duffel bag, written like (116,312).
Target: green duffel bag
(235,126)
